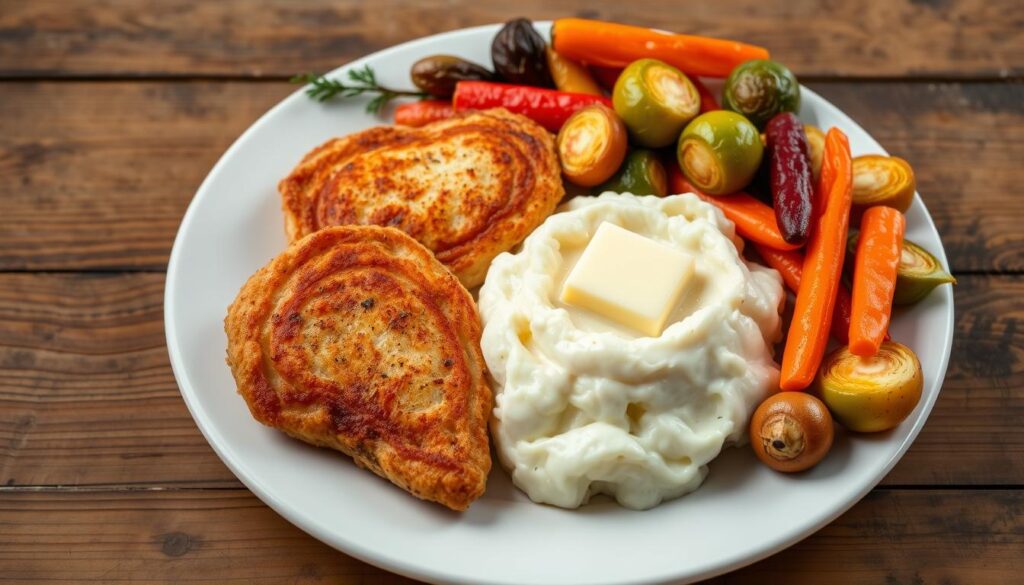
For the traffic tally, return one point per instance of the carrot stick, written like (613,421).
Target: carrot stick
(823,265)
(423,112)
(617,45)
(874,277)
(708,103)
(790,264)
(754,220)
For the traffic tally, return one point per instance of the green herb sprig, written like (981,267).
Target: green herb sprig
(361,81)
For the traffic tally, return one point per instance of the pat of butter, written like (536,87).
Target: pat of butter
(628,278)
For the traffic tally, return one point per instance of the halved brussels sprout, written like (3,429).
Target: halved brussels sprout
(881,180)
(591,145)
(760,89)
(655,100)
(719,152)
(917,274)
(641,174)
(871,394)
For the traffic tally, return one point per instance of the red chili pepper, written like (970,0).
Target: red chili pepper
(708,103)
(792,193)
(548,107)
(423,112)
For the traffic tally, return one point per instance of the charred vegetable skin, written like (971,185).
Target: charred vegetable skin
(641,174)
(547,107)
(917,274)
(591,145)
(719,152)
(871,394)
(792,194)
(655,100)
(519,54)
(438,74)
(761,89)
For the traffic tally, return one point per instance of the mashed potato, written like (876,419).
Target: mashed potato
(585,406)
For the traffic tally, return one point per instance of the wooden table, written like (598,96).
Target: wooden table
(112,112)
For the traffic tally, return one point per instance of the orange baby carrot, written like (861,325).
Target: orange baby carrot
(823,265)
(874,277)
(616,45)
(790,264)
(423,112)
(754,220)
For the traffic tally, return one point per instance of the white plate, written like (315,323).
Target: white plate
(744,511)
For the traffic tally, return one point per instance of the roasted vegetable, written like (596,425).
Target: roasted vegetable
(791,431)
(438,74)
(815,148)
(617,45)
(519,54)
(719,152)
(423,112)
(655,101)
(917,274)
(790,265)
(754,220)
(823,265)
(871,394)
(792,192)
(570,76)
(708,103)
(548,107)
(641,174)
(874,278)
(881,180)
(760,89)
(591,145)
(605,76)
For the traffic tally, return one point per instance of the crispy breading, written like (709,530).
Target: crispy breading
(356,338)
(467,188)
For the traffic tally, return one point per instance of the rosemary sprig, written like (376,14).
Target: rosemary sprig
(361,81)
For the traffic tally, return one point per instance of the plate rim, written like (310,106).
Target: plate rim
(394,562)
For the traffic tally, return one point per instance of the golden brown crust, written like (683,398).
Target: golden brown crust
(467,188)
(358,339)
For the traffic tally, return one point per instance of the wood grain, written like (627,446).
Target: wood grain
(93,176)
(87,396)
(952,38)
(228,536)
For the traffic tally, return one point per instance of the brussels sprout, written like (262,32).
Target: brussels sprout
(719,152)
(641,174)
(760,89)
(655,100)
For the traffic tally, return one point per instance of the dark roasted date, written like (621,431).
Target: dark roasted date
(518,53)
(438,74)
(792,190)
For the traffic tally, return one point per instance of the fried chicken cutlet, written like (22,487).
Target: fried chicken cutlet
(356,338)
(468,188)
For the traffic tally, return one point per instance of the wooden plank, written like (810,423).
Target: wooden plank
(93,175)
(951,38)
(87,396)
(228,536)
